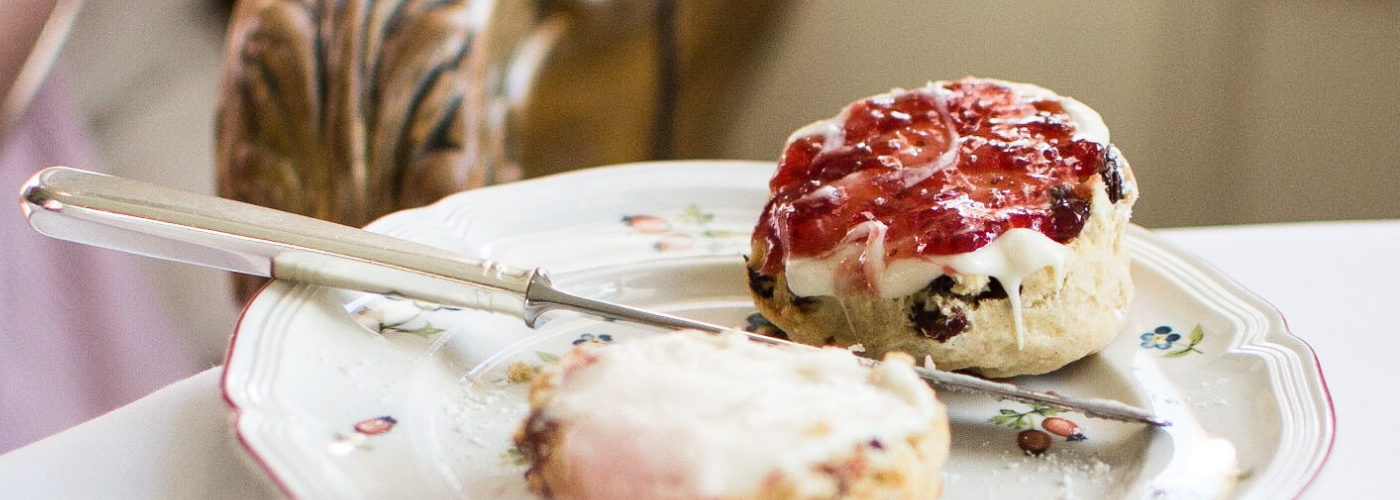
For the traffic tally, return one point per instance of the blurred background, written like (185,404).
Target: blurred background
(1230,111)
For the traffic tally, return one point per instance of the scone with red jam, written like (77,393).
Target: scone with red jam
(977,221)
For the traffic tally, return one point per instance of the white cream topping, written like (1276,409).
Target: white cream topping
(1014,255)
(716,415)
(1009,258)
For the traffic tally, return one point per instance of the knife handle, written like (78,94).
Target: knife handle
(171,224)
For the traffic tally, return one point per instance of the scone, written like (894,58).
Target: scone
(977,221)
(688,415)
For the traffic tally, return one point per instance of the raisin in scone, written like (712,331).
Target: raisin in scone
(977,221)
(689,415)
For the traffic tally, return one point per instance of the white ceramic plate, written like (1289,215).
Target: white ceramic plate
(345,395)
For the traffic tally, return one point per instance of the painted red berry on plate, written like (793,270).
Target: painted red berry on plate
(378,425)
(650,224)
(1064,428)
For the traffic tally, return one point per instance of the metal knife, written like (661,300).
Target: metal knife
(161,222)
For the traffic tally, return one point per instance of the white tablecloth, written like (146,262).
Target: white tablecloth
(1332,281)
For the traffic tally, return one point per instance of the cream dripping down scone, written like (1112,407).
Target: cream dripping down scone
(694,416)
(977,221)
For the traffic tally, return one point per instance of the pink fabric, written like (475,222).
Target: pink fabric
(81,330)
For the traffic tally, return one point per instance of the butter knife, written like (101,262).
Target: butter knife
(161,222)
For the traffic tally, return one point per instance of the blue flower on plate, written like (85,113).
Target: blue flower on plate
(1160,338)
(589,338)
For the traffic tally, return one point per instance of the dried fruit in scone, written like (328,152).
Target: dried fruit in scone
(689,415)
(977,221)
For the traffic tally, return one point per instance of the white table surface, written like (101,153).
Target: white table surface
(1334,282)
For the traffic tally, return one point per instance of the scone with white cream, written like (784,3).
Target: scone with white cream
(977,221)
(689,415)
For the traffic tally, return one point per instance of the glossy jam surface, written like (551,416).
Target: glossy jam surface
(944,169)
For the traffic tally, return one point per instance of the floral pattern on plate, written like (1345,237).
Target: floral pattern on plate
(387,315)
(682,231)
(1165,339)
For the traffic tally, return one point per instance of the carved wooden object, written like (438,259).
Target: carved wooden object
(348,110)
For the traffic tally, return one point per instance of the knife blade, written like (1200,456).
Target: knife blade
(162,222)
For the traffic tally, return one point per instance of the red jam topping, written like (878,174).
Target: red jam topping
(945,169)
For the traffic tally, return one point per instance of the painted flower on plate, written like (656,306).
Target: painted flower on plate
(1160,338)
(589,338)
